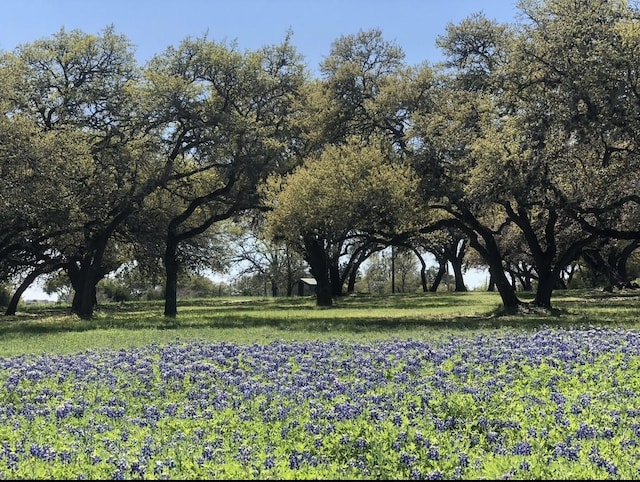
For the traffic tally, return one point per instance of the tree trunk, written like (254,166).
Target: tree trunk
(85,275)
(441,271)
(546,283)
(423,270)
(290,280)
(457,272)
(621,265)
(525,281)
(455,255)
(353,276)
(354,266)
(317,258)
(492,256)
(84,298)
(335,279)
(171,279)
(492,284)
(510,301)
(15,299)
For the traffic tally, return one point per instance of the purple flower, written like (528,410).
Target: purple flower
(522,448)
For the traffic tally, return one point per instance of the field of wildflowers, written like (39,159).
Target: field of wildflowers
(550,403)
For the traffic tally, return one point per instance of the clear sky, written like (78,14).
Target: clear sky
(153,25)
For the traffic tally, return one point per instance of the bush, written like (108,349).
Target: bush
(113,290)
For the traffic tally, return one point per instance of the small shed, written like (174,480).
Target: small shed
(307,286)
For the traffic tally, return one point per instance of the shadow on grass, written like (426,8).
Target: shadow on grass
(445,312)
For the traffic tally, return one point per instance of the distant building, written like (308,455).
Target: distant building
(307,286)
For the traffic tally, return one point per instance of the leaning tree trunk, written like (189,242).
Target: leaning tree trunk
(491,255)
(423,270)
(621,265)
(510,301)
(353,267)
(353,276)
(15,299)
(492,284)
(31,277)
(436,282)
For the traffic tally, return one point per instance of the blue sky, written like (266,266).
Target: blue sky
(153,25)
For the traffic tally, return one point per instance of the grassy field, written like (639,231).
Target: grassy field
(424,386)
(51,329)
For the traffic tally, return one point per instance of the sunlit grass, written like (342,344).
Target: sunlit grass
(47,329)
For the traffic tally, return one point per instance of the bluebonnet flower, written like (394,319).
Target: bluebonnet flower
(407,459)
(421,440)
(508,475)
(397,420)
(606,433)
(415,474)
(563,450)
(311,428)
(597,459)
(628,443)
(244,454)
(138,469)
(121,469)
(12,461)
(65,457)
(585,431)
(522,448)
(295,460)
(434,453)
(435,475)
(44,452)
(269,462)
(361,443)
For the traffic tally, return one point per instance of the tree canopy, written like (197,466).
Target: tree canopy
(520,151)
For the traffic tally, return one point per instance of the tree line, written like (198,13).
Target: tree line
(521,147)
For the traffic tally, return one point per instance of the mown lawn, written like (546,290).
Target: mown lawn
(50,329)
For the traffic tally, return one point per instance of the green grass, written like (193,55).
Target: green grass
(47,329)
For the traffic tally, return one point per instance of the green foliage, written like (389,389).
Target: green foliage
(58,284)
(5,294)
(196,286)
(525,140)
(552,399)
(347,189)
(113,290)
